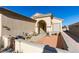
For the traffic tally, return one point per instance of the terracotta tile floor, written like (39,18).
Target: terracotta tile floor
(48,40)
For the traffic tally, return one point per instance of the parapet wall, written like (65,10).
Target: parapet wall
(26,47)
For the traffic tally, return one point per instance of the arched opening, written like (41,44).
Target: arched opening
(41,26)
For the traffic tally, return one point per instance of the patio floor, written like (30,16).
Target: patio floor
(48,40)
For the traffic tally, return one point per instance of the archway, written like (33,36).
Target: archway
(41,26)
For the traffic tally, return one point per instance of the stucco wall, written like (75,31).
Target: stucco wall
(54,27)
(61,42)
(25,47)
(17,27)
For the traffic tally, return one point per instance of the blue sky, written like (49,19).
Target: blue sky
(70,14)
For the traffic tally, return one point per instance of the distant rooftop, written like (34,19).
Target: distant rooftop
(77,23)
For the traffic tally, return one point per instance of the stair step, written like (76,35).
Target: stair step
(35,38)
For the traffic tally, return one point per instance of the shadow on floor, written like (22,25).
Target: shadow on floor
(7,50)
(48,49)
(76,38)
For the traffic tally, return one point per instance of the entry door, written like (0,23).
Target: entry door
(56,27)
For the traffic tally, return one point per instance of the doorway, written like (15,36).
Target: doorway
(41,26)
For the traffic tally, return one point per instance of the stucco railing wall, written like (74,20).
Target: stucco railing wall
(27,47)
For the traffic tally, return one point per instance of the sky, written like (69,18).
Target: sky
(70,14)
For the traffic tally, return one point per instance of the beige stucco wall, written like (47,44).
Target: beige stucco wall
(17,27)
(27,47)
(57,21)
